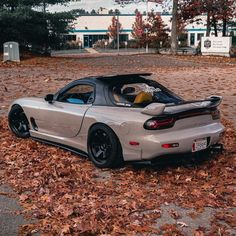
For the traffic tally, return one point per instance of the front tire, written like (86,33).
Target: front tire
(18,122)
(104,148)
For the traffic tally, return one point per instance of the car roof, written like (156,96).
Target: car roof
(122,76)
(115,78)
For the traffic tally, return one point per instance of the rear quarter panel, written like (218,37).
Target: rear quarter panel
(127,123)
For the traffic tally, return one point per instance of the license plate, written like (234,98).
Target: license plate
(199,144)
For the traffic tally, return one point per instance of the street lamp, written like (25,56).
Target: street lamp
(118,33)
(146,28)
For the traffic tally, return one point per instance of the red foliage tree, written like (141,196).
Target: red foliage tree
(112,29)
(219,12)
(156,30)
(138,31)
(174,35)
(152,32)
(226,13)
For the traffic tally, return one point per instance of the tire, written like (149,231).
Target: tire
(104,147)
(18,122)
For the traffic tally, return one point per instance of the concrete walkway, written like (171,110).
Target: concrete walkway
(91,50)
(10,220)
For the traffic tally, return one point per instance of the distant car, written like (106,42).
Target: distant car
(118,118)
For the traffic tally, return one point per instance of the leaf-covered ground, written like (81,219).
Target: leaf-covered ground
(69,196)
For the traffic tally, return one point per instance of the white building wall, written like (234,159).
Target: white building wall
(98,24)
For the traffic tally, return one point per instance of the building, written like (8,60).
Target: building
(91,28)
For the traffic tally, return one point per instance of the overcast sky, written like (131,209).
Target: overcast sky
(109,4)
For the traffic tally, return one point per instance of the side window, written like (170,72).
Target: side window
(79,94)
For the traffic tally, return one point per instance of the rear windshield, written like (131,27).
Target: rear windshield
(141,95)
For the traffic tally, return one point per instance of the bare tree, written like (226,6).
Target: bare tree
(174,23)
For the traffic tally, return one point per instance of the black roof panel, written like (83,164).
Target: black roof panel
(114,78)
(122,76)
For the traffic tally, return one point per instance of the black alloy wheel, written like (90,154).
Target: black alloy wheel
(18,122)
(104,147)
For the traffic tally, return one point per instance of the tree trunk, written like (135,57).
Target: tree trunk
(12,9)
(214,22)
(208,25)
(174,43)
(224,27)
(46,43)
(44,7)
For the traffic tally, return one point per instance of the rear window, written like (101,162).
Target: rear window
(140,95)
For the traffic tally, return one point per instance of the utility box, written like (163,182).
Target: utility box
(11,52)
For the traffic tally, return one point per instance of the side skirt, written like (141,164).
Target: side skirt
(65,147)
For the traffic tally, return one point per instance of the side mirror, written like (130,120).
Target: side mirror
(49,98)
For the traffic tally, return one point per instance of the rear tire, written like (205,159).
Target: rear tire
(18,122)
(104,147)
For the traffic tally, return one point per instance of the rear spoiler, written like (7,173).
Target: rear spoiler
(156,109)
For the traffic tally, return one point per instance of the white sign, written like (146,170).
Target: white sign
(216,46)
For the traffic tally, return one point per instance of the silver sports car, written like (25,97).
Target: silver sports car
(118,118)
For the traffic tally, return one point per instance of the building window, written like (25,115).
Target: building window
(192,39)
(90,40)
(199,36)
(124,37)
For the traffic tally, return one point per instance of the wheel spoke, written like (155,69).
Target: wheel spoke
(97,154)
(25,127)
(104,156)
(20,128)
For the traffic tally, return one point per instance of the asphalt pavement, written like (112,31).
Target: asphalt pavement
(10,217)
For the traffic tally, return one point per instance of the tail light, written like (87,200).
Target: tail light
(170,145)
(159,123)
(215,114)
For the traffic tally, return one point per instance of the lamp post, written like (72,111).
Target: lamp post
(146,28)
(118,33)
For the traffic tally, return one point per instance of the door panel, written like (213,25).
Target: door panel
(61,119)
(64,116)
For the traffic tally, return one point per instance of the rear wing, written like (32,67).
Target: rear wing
(156,109)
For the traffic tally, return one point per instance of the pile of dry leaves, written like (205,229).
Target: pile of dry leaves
(68,195)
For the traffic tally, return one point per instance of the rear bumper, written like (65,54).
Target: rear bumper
(151,145)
